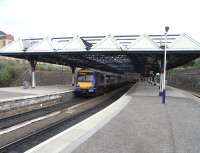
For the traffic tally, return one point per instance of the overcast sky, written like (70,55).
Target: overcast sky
(32,18)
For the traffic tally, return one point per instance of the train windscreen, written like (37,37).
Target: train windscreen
(85,78)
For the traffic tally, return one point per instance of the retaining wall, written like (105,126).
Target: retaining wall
(44,78)
(16,106)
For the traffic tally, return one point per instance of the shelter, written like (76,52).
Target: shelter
(118,54)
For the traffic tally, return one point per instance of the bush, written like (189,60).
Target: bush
(12,70)
(8,71)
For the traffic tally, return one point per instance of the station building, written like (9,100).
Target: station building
(5,39)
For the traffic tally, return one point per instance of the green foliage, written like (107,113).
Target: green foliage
(197,62)
(7,71)
(193,64)
(11,70)
(190,64)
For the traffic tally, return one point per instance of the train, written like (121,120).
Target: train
(91,82)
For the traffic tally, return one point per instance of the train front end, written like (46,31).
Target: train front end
(85,83)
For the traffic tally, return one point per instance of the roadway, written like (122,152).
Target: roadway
(135,123)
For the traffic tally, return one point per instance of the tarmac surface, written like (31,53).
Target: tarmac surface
(146,125)
(17,92)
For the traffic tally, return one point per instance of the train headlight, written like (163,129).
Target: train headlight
(91,90)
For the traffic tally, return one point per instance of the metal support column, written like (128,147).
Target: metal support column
(161,77)
(165,66)
(33,64)
(160,85)
(73,75)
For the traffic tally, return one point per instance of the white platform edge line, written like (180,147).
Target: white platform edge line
(35,96)
(119,104)
(89,133)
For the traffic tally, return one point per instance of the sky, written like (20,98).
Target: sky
(42,18)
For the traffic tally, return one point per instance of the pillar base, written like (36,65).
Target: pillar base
(163,97)
(33,63)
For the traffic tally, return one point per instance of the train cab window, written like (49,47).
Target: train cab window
(85,78)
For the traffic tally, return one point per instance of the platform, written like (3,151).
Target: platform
(19,92)
(136,123)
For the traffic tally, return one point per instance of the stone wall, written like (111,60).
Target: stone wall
(185,79)
(44,78)
(53,77)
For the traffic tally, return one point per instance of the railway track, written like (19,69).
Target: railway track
(19,118)
(26,134)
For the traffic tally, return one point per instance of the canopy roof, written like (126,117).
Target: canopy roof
(144,42)
(185,42)
(43,46)
(121,53)
(14,47)
(108,43)
(176,42)
(75,44)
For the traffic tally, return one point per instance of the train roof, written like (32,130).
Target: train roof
(86,70)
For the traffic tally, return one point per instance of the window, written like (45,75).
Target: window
(85,78)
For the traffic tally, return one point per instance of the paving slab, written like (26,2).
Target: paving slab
(146,125)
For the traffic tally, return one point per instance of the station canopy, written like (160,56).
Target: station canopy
(119,54)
